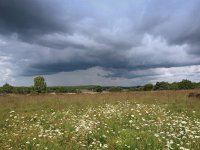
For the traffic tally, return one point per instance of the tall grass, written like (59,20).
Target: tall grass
(132,120)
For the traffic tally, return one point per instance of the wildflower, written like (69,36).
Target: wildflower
(105,146)
(183,148)
(12,111)
(137,138)
(169,143)
(183,122)
(27,142)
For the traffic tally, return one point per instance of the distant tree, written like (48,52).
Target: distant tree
(197,85)
(98,89)
(39,84)
(1,90)
(185,84)
(22,90)
(7,88)
(161,86)
(148,87)
(115,89)
(173,86)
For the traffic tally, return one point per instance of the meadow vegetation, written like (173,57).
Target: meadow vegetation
(115,120)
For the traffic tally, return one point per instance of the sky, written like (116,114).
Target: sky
(99,42)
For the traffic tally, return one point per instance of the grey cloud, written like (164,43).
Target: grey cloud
(153,53)
(177,21)
(129,40)
(29,18)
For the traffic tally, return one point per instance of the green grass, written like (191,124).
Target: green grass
(138,120)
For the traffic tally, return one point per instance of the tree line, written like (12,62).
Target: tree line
(40,86)
(182,85)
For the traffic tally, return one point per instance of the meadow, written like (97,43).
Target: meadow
(158,120)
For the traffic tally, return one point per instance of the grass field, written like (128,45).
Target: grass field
(138,120)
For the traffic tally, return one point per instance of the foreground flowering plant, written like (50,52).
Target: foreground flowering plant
(123,125)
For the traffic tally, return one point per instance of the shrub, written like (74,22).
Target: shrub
(185,84)
(115,89)
(7,88)
(98,89)
(148,87)
(173,86)
(161,86)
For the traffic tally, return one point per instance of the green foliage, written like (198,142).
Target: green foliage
(148,87)
(22,90)
(39,84)
(173,86)
(98,89)
(161,86)
(136,88)
(197,85)
(186,84)
(7,88)
(115,89)
(62,89)
(1,90)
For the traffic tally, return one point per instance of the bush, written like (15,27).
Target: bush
(7,88)
(136,88)
(98,89)
(186,84)
(115,89)
(161,86)
(148,87)
(173,86)
(62,89)
(22,90)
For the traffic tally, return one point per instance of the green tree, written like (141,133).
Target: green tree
(173,86)
(197,85)
(1,90)
(161,86)
(185,84)
(148,87)
(98,89)
(7,88)
(40,84)
(115,89)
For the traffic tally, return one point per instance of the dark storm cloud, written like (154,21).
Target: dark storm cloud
(128,40)
(28,18)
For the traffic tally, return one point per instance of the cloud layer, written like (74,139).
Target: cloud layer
(139,41)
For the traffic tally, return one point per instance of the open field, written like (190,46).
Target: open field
(138,120)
